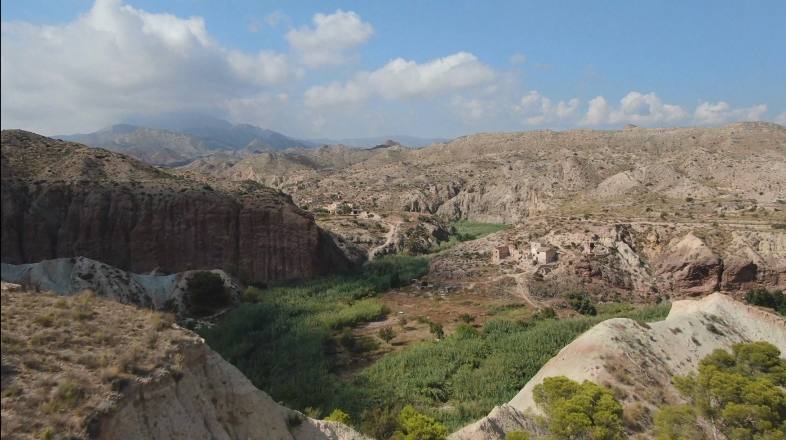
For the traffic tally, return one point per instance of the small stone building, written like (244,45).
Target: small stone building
(541,253)
(500,253)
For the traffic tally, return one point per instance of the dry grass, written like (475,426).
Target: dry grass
(67,359)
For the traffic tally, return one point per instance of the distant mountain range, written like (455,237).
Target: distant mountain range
(175,140)
(370,142)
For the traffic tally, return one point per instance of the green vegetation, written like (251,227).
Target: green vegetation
(205,293)
(339,416)
(416,426)
(281,336)
(387,334)
(517,435)
(764,298)
(574,410)
(471,370)
(468,230)
(739,394)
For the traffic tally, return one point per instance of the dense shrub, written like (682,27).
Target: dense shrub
(576,410)
(205,292)
(416,426)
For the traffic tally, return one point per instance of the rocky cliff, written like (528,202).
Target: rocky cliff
(61,199)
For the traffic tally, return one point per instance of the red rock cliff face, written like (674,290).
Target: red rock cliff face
(147,218)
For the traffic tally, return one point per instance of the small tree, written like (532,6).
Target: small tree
(205,292)
(576,410)
(416,426)
(387,334)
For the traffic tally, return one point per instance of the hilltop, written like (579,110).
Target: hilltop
(505,177)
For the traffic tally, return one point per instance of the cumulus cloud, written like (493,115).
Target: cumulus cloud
(635,108)
(403,80)
(116,60)
(721,113)
(539,110)
(326,43)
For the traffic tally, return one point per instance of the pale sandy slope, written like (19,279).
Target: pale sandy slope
(640,359)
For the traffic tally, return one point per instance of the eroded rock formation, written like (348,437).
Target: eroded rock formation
(61,200)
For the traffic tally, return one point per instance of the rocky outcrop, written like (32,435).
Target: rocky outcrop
(689,267)
(640,359)
(60,200)
(210,399)
(70,276)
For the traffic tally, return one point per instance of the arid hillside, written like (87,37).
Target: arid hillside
(83,367)
(505,177)
(62,200)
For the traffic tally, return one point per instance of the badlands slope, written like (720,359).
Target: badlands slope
(638,360)
(84,367)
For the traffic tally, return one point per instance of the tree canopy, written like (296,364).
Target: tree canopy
(735,393)
(575,411)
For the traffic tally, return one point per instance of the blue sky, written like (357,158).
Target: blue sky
(361,68)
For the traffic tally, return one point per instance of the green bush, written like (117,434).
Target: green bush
(576,410)
(339,416)
(416,426)
(205,292)
(517,435)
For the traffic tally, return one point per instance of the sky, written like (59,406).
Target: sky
(439,68)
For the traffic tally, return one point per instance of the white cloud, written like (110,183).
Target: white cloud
(407,80)
(721,113)
(116,60)
(780,119)
(597,113)
(539,110)
(334,34)
(402,80)
(518,58)
(635,108)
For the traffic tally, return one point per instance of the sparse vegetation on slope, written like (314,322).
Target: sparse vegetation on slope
(66,360)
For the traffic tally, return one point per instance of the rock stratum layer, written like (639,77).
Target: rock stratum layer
(61,200)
